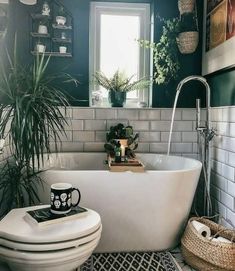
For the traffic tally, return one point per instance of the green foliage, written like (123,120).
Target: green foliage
(31,106)
(18,185)
(188,22)
(61,11)
(31,114)
(121,132)
(120,82)
(165,53)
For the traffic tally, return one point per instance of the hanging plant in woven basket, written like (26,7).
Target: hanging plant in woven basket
(188,42)
(186,6)
(188,37)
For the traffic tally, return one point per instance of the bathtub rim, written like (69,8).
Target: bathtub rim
(198,164)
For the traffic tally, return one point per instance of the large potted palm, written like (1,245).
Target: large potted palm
(118,85)
(31,109)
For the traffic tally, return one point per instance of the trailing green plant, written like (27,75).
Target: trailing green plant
(18,185)
(119,131)
(165,53)
(61,11)
(120,82)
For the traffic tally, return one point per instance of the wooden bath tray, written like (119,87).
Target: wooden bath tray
(130,165)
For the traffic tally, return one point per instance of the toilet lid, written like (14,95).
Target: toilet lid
(15,228)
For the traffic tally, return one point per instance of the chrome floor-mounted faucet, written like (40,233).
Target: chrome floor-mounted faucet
(205,135)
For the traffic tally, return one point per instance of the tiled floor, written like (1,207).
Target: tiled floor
(176,253)
(137,261)
(178,256)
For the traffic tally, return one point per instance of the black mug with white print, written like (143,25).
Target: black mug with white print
(61,198)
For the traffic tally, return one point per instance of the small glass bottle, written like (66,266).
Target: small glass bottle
(117,150)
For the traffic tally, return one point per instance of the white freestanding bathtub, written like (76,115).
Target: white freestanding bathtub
(139,211)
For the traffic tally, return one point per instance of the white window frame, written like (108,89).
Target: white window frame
(139,9)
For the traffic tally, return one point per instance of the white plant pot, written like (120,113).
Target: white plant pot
(61,20)
(42,29)
(188,42)
(63,49)
(40,48)
(186,6)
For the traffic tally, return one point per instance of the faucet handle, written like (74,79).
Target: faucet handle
(211,134)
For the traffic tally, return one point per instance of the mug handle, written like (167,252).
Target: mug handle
(79,197)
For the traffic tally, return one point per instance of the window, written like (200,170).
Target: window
(114,31)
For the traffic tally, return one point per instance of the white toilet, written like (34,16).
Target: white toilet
(64,246)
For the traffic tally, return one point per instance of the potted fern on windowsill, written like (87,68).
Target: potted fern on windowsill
(118,85)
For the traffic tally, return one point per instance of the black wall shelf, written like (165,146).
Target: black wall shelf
(53,54)
(56,34)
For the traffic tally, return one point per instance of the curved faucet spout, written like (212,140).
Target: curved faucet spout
(178,90)
(197,78)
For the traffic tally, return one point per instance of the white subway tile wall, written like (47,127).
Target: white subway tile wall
(88,126)
(223,164)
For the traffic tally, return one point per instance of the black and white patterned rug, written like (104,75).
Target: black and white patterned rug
(131,261)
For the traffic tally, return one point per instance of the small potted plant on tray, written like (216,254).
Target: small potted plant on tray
(125,136)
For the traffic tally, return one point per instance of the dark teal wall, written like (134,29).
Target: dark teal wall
(222,85)
(163,96)
(222,88)
(79,65)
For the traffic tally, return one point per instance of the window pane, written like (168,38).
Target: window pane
(119,48)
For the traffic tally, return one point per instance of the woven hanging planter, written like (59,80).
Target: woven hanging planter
(186,6)
(204,254)
(187,42)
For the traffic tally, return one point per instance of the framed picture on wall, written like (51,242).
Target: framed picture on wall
(219,35)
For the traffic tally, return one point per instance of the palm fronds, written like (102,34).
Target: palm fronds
(30,112)
(32,105)
(18,185)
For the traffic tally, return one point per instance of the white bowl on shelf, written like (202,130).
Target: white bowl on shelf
(61,20)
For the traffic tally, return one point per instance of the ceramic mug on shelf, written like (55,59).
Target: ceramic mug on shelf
(61,198)
(40,48)
(42,29)
(63,49)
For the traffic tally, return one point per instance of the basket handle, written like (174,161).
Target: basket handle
(202,217)
(223,230)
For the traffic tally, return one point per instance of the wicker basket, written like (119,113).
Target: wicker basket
(202,253)
(186,6)
(188,42)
